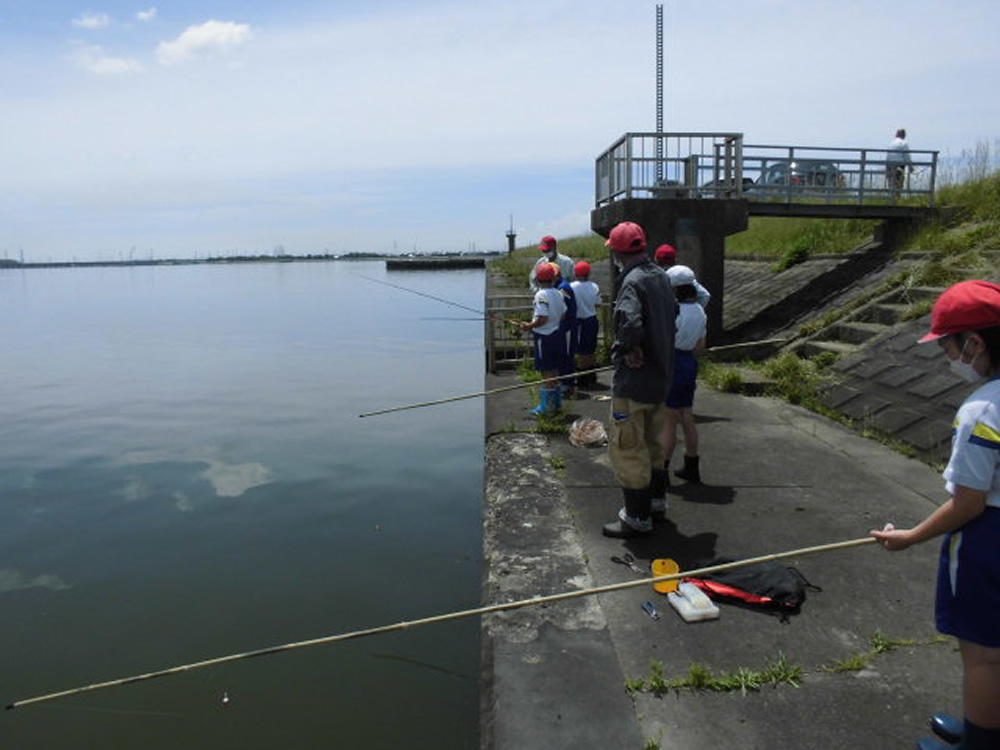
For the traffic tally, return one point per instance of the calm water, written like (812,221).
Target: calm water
(183,475)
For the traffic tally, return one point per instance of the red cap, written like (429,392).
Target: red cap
(666,252)
(582,268)
(548,243)
(627,237)
(965,306)
(545,272)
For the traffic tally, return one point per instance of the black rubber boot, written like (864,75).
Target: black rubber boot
(931,743)
(690,471)
(637,513)
(975,737)
(660,480)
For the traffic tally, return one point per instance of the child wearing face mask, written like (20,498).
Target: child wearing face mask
(965,322)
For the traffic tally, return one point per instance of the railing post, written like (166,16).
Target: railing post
(864,169)
(933,185)
(628,165)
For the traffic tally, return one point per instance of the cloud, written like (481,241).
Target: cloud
(209,38)
(92,21)
(94,59)
(146,15)
(15,580)
(233,480)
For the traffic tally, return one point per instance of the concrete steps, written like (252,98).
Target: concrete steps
(867,323)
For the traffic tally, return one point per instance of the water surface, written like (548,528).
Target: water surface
(183,475)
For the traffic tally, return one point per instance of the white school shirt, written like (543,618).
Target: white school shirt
(975,444)
(588,295)
(549,303)
(691,323)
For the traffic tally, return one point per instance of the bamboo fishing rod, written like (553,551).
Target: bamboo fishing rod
(477,394)
(493,608)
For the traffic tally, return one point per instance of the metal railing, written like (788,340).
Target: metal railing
(667,165)
(506,345)
(720,165)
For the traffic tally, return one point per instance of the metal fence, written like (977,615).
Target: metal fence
(506,345)
(662,165)
(721,165)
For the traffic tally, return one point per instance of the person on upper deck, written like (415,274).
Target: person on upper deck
(897,161)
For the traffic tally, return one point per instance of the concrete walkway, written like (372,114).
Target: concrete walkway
(776,478)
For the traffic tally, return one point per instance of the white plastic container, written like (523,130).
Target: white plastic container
(692,604)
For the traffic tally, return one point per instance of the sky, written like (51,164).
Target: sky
(195,128)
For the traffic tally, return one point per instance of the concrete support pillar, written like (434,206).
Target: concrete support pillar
(696,228)
(892,233)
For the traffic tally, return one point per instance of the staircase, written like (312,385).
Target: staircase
(864,325)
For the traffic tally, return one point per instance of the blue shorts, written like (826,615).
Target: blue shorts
(968,588)
(587,332)
(550,350)
(682,388)
(568,331)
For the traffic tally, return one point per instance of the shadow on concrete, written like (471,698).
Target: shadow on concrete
(704,493)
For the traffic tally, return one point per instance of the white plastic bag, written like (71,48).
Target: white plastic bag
(586,432)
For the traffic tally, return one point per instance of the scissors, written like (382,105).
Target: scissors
(628,561)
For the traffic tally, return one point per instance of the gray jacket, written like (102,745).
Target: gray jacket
(645,316)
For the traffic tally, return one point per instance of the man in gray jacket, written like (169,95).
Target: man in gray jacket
(643,359)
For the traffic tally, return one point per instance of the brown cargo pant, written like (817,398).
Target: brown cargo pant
(635,441)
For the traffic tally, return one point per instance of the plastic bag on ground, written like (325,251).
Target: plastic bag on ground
(586,432)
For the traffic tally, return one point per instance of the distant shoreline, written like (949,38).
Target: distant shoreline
(423,260)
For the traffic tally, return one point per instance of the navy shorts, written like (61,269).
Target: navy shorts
(587,328)
(550,350)
(968,588)
(681,393)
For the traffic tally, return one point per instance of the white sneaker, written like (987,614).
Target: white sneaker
(642,525)
(658,508)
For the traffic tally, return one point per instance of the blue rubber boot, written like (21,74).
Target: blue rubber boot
(556,400)
(544,402)
(947,727)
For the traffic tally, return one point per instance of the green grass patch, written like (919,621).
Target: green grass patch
(551,424)
(788,241)
(793,378)
(720,376)
(518,264)
(880,643)
(527,373)
(701,677)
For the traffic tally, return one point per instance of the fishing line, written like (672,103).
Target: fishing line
(117,711)
(534,601)
(437,299)
(477,394)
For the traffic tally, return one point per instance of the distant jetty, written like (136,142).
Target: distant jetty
(392,262)
(434,263)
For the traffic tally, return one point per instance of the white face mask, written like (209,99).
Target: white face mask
(964,370)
